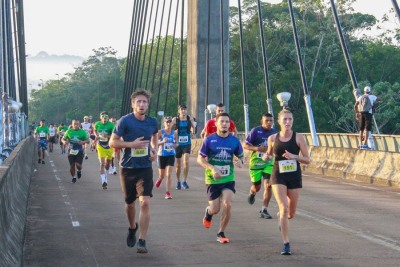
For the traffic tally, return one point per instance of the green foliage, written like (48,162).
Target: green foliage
(95,86)
(92,87)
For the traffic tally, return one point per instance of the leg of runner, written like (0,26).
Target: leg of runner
(185,170)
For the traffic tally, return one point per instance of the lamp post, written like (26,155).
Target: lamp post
(284,98)
(58,77)
(210,109)
(161,114)
(42,84)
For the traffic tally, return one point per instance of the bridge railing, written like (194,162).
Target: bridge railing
(388,143)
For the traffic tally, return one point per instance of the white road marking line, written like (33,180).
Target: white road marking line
(375,238)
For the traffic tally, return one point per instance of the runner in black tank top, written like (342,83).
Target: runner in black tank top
(292,179)
(286,146)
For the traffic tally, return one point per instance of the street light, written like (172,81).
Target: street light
(211,108)
(58,77)
(161,114)
(284,98)
(42,83)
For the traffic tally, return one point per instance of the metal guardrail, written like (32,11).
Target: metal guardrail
(388,143)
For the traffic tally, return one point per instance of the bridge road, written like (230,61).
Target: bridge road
(339,223)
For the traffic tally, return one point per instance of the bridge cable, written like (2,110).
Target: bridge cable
(181,55)
(152,44)
(163,56)
(127,84)
(265,60)
(140,42)
(157,53)
(171,57)
(303,78)
(222,52)
(207,55)
(246,107)
(146,43)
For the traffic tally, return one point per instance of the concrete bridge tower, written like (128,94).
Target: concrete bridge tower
(197,56)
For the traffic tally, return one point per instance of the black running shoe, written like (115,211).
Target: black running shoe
(39,161)
(42,161)
(131,238)
(86,157)
(264,214)
(73,180)
(141,247)
(104,185)
(286,249)
(79,173)
(251,199)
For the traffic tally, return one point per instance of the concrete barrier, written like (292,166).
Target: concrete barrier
(15,177)
(374,167)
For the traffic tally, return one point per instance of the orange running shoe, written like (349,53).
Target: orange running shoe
(221,238)
(207,220)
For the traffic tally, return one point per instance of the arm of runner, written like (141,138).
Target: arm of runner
(305,156)
(239,162)
(117,142)
(204,163)
(270,151)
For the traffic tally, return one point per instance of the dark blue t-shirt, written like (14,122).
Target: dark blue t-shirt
(130,128)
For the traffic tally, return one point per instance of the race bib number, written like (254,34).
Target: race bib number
(287,166)
(52,134)
(168,146)
(74,152)
(225,170)
(260,155)
(139,152)
(41,134)
(183,139)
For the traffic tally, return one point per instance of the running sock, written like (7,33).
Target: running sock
(103,178)
(208,216)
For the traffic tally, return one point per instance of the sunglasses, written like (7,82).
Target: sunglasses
(168,121)
(104,116)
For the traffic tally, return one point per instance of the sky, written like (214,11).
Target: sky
(76,27)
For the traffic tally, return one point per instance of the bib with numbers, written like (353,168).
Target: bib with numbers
(183,139)
(74,152)
(260,155)
(225,169)
(168,146)
(41,134)
(139,152)
(287,166)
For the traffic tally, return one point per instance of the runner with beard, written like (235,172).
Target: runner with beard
(76,138)
(136,135)
(216,155)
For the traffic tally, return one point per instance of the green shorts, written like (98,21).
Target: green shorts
(257,175)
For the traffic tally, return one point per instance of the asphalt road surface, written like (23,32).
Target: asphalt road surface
(339,223)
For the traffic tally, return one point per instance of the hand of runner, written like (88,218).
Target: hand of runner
(239,163)
(152,156)
(266,157)
(140,143)
(289,155)
(216,173)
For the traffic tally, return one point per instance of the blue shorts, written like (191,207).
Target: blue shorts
(42,144)
(214,191)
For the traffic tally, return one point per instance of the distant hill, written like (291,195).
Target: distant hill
(44,66)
